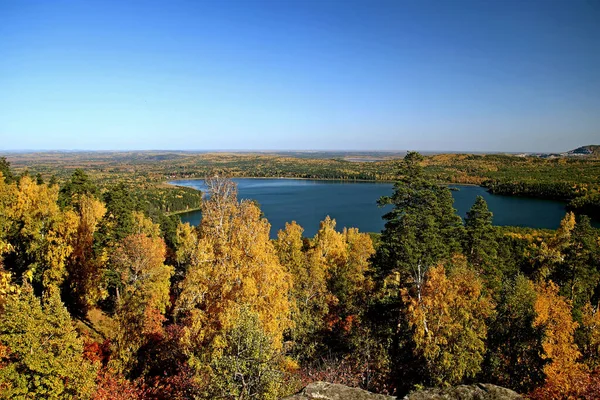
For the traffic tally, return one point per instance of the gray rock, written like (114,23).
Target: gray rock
(333,391)
(480,391)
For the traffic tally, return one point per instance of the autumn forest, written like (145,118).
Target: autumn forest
(105,294)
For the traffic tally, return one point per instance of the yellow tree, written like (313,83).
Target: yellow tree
(40,350)
(187,246)
(550,252)
(42,233)
(145,279)
(564,373)
(84,268)
(354,273)
(448,322)
(234,264)
(308,270)
(346,255)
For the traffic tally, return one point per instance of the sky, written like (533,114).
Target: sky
(486,75)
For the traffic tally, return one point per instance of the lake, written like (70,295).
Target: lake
(353,204)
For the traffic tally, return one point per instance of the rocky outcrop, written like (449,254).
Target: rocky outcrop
(331,391)
(480,391)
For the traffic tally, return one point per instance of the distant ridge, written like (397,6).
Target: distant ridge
(589,150)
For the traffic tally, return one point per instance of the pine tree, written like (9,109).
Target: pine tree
(481,245)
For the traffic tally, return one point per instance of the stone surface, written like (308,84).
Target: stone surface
(331,391)
(480,391)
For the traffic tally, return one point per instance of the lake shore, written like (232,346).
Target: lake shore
(184,211)
(313,179)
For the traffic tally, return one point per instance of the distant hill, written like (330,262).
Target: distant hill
(590,150)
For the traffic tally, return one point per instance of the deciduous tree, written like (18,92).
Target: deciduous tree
(448,320)
(142,301)
(43,357)
(235,264)
(564,373)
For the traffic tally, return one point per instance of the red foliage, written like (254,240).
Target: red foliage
(588,388)
(97,352)
(177,387)
(111,386)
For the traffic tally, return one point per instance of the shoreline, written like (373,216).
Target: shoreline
(310,179)
(286,178)
(183,211)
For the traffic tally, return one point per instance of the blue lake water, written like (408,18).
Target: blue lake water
(353,204)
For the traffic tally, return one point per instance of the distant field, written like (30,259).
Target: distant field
(159,166)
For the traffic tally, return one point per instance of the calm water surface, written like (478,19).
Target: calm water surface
(353,204)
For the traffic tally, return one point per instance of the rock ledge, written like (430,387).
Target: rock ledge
(332,391)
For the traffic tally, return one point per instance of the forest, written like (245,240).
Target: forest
(105,294)
(574,179)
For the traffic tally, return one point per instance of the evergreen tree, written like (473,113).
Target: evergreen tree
(78,185)
(5,171)
(481,245)
(421,230)
(118,220)
(578,274)
(514,345)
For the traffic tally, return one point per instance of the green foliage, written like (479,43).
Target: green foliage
(515,345)
(249,367)
(43,356)
(481,244)
(422,228)
(118,220)
(5,170)
(578,272)
(78,185)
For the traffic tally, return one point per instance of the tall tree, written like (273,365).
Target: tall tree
(143,295)
(78,185)
(421,229)
(235,264)
(85,266)
(514,357)
(480,240)
(578,273)
(564,373)
(308,293)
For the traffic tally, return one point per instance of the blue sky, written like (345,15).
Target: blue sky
(480,75)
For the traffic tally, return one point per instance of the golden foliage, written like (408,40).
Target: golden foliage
(144,225)
(233,263)
(45,231)
(448,322)
(139,260)
(563,371)
(85,270)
